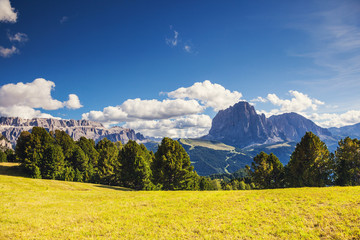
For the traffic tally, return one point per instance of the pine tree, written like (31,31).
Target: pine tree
(267,171)
(135,166)
(172,168)
(347,162)
(310,164)
(107,162)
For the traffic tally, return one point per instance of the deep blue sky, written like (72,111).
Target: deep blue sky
(109,51)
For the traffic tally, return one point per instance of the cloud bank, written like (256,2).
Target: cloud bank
(178,116)
(24,99)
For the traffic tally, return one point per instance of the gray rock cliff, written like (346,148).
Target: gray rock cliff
(240,125)
(11,127)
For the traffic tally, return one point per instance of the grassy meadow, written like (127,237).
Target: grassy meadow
(48,209)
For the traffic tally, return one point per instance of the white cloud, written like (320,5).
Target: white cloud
(23,112)
(22,99)
(36,94)
(336,120)
(186,126)
(259,99)
(73,102)
(7,13)
(209,94)
(154,109)
(18,37)
(300,102)
(8,52)
(309,107)
(174,40)
(133,109)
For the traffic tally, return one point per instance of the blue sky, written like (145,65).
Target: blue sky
(144,64)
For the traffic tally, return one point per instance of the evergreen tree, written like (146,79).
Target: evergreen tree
(267,171)
(310,164)
(107,162)
(30,149)
(3,156)
(88,147)
(347,162)
(172,168)
(135,166)
(52,164)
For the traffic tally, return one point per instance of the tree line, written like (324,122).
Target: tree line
(55,155)
(311,165)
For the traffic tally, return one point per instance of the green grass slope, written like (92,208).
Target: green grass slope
(210,157)
(48,209)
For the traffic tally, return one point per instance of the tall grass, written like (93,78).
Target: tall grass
(48,209)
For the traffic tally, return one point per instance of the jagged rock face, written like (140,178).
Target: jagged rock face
(4,143)
(12,127)
(241,126)
(292,127)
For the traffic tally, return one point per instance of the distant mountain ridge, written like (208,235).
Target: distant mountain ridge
(241,126)
(11,127)
(352,131)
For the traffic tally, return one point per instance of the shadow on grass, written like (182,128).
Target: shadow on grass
(115,188)
(11,169)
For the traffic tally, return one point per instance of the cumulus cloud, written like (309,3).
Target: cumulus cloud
(300,102)
(7,13)
(18,37)
(21,99)
(336,120)
(133,109)
(8,52)
(36,94)
(309,107)
(185,126)
(23,112)
(178,116)
(73,102)
(210,94)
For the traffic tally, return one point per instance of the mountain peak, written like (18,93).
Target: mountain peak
(240,125)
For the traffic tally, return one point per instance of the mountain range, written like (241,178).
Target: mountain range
(237,134)
(11,127)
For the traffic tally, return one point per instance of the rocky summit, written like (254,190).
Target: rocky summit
(240,125)
(11,127)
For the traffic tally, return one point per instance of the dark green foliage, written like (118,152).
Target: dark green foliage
(347,162)
(79,162)
(310,164)
(267,171)
(66,143)
(172,168)
(52,164)
(3,156)
(135,166)
(107,162)
(30,149)
(88,147)
(10,155)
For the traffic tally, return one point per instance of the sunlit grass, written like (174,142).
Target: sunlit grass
(47,209)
